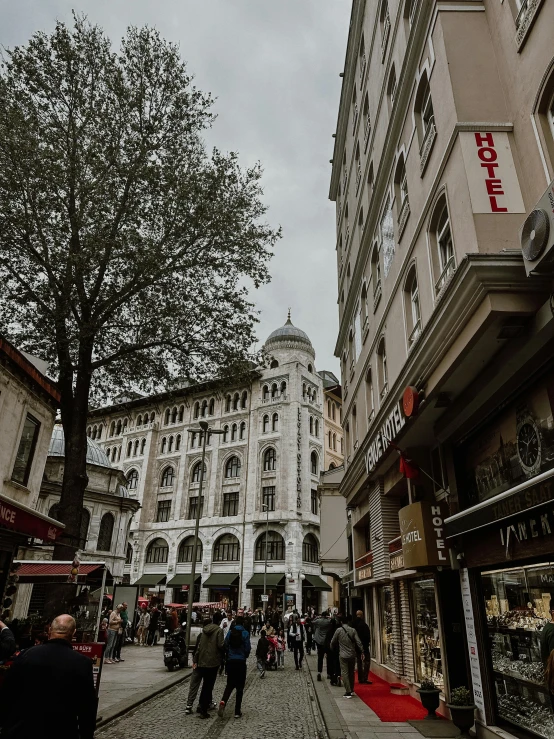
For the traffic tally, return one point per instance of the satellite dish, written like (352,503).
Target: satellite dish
(534,234)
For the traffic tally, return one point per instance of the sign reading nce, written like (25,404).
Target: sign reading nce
(380,442)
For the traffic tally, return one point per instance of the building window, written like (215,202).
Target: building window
(270,460)
(311,425)
(314,502)
(335,443)
(232,468)
(193,506)
(265,392)
(367,119)
(157,552)
(411,307)
(369,402)
(275,547)
(316,428)
(409,11)
(242,431)
(168,476)
(227,404)
(129,554)
(177,442)
(26,451)
(425,120)
(186,548)
(443,245)
(283,389)
(227,549)
(163,445)
(170,444)
(231,504)
(384,21)
(391,89)
(314,463)
(143,444)
(226,433)
(234,432)
(181,413)
(376,273)
(382,367)
(132,480)
(105,533)
(244,399)
(401,192)
(268,498)
(275,422)
(196,472)
(310,549)
(211,409)
(236,400)
(164,509)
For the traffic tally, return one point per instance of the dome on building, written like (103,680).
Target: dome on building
(289,337)
(95,454)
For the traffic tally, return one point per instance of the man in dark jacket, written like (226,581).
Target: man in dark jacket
(362,629)
(62,689)
(237,645)
(261,653)
(321,628)
(7,642)
(207,658)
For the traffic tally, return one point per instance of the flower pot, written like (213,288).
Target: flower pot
(430,700)
(463,717)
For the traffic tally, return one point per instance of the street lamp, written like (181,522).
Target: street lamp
(266,507)
(204,430)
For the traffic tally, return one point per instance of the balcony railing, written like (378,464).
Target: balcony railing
(427,144)
(525,18)
(386,32)
(445,276)
(377,291)
(277,399)
(384,391)
(403,216)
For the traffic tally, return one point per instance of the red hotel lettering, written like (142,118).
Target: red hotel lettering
(488,156)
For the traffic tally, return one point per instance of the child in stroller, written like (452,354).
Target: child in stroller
(271,659)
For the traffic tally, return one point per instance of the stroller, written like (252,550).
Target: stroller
(271,659)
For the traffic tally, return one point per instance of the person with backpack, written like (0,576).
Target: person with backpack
(349,646)
(207,657)
(261,653)
(237,648)
(321,628)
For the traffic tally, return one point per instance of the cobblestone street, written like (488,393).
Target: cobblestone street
(277,706)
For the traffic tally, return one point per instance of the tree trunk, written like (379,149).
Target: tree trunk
(74,412)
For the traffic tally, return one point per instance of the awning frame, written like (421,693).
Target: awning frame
(273,580)
(226,580)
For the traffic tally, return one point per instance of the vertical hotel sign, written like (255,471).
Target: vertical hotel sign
(491,174)
(474,663)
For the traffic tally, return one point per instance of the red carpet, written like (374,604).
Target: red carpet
(388,707)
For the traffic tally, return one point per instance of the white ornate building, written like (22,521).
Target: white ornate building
(270,454)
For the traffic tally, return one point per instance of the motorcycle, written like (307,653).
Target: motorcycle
(175,649)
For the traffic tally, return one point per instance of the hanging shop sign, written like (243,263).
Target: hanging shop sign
(491,174)
(423,535)
(397,561)
(364,573)
(379,444)
(24,520)
(473,649)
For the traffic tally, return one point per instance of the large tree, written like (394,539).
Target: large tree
(126,247)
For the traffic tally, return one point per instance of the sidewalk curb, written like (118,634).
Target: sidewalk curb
(124,706)
(333,725)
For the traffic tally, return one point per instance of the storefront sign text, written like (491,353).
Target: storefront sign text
(473,649)
(397,561)
(26,522)
(389,430)
(364,573)
(423,535)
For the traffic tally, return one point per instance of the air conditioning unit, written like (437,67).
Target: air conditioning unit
(536,236)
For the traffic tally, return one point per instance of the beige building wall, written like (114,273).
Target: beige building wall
(332,437)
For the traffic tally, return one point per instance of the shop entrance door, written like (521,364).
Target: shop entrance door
(455,647)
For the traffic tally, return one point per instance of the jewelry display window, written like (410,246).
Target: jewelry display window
(427,646)
(387,632)
(517,603)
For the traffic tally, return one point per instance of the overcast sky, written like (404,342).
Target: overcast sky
(273,66)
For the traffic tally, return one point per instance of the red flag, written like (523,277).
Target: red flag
(408,468)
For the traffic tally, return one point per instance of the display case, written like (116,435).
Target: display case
(517,603)
(428,658)
(387,631)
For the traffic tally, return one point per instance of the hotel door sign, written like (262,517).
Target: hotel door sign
(423,535)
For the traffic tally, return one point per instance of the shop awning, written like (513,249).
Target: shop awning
(222,580)
(183,579)
(24,520)
(273,580)
(316,583)
(149,580)
(32,571)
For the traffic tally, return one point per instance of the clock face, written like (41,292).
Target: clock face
(528,445)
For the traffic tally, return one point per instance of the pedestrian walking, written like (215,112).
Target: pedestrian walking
(152,636)
(261,653)
(309,629)
(121,634)
(237,647)
(321,628)
(143,624)
(349,645)
(362,629)
(281,647)
(296,633)
(114,625)
(207,657)
(60,682)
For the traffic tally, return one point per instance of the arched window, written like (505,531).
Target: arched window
(391,87)
(328,409)
(383,376)
(89,433)
(443,247)
(94,432)
(181,413)
(425,119)
(139,420)
(125,423)
(311,425)
(132,480)
(99,432)
(112,428)
(242,433)
(355,425)
(136,447)
(270,460)
(274,364)
(303,391)
(334,442)
(332,466)
(54,511)
(376,273)
(157,552)
(164,445)
(274,390)
(310,368)
(152,417)
(275,422)
(226,549)
(105,533)
(401,192)
(369,401)
(227,404)
(170,444)
(196,472)
(193,438)
(174,415)
(108,452)
(314,463)
(411,307)
(366,118)
(166,416)
(232,467)
(334,411)
(330,437)
(196,409)
(178,442)
(129,448)
(83,532)
(283,388)
(244,399)
(142,446)
(186,549)
(310,549)
(114,453)
(265,424)
(265,392)
(275,547)
(384,23)
(129,554)
(118,453)
(204,408)
(226,433)
(234,430)
(316,427)
(236,400)
(168,476)
(118,429)
(211,408)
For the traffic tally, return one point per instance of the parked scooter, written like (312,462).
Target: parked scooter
(175,649)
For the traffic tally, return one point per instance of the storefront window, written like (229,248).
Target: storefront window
(428,661)
(387,634)
(517,603)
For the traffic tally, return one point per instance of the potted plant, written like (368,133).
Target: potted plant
(429,694)
(462,709)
